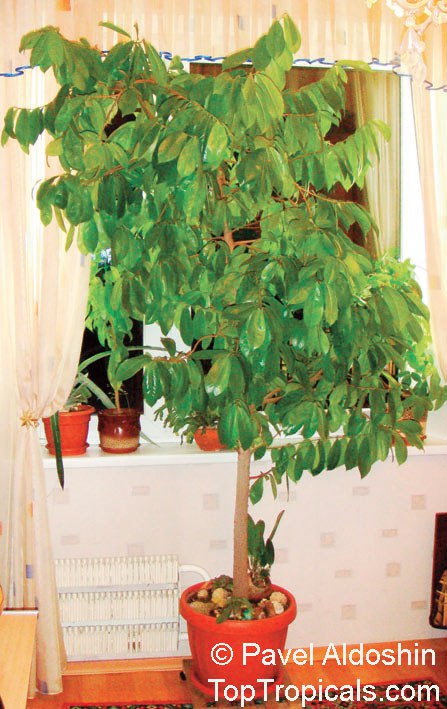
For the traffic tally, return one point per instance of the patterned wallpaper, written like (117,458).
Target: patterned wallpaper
(357,554)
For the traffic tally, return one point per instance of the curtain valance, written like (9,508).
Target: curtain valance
(331,29)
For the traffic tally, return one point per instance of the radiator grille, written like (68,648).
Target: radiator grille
(120,641)
(119,607)
(120,570)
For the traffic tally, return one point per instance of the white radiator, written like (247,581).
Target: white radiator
(120,607)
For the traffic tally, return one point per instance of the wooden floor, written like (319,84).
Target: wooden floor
(159,680)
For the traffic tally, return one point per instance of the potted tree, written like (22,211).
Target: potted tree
(213,195)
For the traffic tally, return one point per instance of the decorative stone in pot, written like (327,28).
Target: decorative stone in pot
(73,427)
(119,430)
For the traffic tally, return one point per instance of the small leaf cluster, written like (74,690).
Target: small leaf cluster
(212,198)
(261,553)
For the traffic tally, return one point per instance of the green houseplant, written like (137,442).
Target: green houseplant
(213,195)
(67,430)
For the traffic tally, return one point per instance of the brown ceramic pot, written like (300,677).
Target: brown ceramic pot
(119,431)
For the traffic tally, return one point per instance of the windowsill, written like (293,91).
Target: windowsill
(174,453)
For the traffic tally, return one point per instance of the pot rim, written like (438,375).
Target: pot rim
(83,411)
(121,412)
(237,627)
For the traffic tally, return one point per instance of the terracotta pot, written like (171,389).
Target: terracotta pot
(207,439)
(408,415)
(73,427)
(119,431)
(204,633)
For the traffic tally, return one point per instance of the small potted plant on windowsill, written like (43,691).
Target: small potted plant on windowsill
(67,430)
(199,426)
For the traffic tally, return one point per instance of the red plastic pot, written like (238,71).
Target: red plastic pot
(73,427)
(119,431)
(207,439)
(205,634)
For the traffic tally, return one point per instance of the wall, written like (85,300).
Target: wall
(357,554)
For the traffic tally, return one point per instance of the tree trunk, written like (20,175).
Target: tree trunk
(240,541)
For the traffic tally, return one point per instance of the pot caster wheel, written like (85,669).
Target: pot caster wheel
(182,676)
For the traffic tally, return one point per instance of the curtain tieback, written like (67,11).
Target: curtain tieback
(29,420)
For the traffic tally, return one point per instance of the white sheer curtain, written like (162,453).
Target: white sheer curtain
(330,28)
(431,135)
(43,293)
(376,95)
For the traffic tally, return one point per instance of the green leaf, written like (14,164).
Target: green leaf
(218,378)
(188,158)
(8,130)
(171,146)
(270,96)
(409,426)
(79,206)
(55,430)
(384,128)
(73,149)
(186,326)
(55,48)
(89,235)
(69,237)
(330,304)
(260,54)
(245,429)
(256,491)
(152,381)
(355,64)
(227,426)
(351,454)
(115,28)
(314,307)
(295,468)
(60,219)
(216,145)
(396,305)
(158,66)
(365,457)
(400,448)
(334,457)
(383,442)
(255,331)
(291,34)
(235,59)
(170,345)
(275,39)
(54,148)
(275,526)
(22,128)
(131,366)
